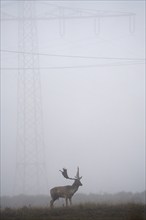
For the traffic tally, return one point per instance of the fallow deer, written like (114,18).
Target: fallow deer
(68,191)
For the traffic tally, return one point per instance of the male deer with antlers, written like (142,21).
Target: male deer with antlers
(65,191)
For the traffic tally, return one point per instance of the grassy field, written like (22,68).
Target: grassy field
(80,212)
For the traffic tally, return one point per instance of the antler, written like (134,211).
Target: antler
(64,173)
(77,175)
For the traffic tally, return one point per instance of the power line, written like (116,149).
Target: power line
(74,56)
(97,13)
(103,13)
(71,67)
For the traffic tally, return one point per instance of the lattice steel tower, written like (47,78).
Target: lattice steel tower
(30,165)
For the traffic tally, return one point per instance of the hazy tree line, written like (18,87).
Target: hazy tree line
(44,200)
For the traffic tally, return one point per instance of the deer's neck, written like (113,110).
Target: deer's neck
(75,186)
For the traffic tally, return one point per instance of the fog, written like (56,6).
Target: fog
(92,81)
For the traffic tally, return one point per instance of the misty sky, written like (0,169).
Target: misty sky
(93,103)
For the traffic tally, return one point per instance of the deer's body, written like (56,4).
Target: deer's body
(65,192)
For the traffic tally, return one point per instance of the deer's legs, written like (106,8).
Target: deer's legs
(66,200)
(70,201)
(52,201)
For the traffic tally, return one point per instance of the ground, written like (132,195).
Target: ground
(80,212)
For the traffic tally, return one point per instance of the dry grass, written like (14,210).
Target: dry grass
(81,212)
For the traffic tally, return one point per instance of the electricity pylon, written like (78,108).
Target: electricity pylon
(30,164)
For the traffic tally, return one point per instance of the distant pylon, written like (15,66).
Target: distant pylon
(30,162)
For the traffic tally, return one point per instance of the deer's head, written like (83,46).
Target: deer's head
(76,179)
